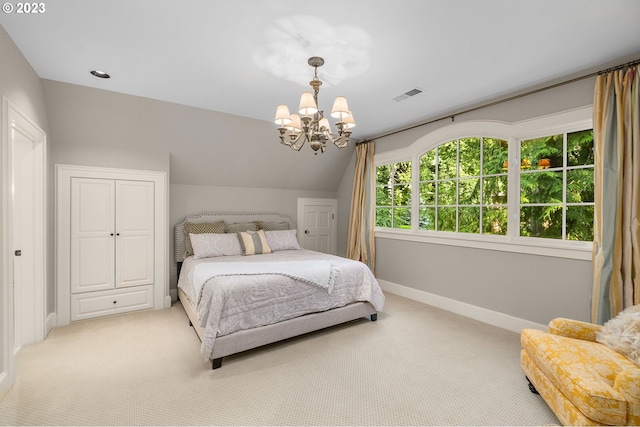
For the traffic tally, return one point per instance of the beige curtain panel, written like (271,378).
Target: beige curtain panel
(360,238)
(616,253)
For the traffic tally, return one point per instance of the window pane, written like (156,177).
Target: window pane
(383,196)
(402,218)
(580,185)
(383,217)
(495,154)
(383,174)
(402,172)
(580,223)
(541,187)
(469,157)
(494,220)
(469,192)
(447,160)
(541,153)
(469,220)
(541,221)
(428,193)
(447,219)
(495,190)
(402,195)
(447,192)
(428,166)
(427,219)
(580,148)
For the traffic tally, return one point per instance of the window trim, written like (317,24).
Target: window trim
(567,121)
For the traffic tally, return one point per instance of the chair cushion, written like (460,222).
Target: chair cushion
(584,371)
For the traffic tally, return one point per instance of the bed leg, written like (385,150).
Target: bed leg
(190,323)
(216,363)
(374,317)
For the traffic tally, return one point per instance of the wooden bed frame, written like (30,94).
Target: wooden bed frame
(256,337)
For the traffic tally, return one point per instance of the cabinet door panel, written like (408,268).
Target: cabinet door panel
(135,233)
(92,240)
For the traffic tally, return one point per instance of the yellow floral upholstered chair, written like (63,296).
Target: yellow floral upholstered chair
(587,374)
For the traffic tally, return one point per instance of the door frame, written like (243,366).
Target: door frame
(13,118)
(302,202)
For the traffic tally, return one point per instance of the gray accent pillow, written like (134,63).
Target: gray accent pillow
(238,227)
(268,226)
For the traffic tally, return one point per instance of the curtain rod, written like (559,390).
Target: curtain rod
(491,104)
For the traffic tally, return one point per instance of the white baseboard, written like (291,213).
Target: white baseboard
(52,322)
(6,381)
(167,301)
(495,318)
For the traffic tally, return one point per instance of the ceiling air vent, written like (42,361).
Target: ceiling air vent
(409,94)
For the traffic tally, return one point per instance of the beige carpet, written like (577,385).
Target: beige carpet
(417,365)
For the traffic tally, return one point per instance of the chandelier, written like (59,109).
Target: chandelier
(310,124)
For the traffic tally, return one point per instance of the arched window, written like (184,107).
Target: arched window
(460,181)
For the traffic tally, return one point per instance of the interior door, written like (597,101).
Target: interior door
(317,224)
(24,244)
(27,240)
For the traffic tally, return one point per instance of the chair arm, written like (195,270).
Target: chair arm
(574,329)
(627,383)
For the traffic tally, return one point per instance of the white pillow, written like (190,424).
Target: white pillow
(622,333)
(282,240)
(207,245)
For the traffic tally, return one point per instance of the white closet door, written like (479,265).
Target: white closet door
(134,233)
(92,234)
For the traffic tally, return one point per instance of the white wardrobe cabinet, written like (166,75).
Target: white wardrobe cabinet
(108,248)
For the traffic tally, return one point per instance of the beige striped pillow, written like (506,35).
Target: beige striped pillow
(254,242)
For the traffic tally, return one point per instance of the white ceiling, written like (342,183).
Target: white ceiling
(246,56)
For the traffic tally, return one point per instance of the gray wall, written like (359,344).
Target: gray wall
(216,162)
(531,287)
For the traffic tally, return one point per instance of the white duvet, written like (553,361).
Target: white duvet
(284,289)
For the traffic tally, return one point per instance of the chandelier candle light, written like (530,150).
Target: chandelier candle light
(310,124)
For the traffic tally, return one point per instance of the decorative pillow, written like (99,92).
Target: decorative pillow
(253,242)
(207,245)
(282,240)
(269,226)
(238,227)
(622,333)
(200,228)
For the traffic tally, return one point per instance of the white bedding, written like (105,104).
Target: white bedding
(229,303)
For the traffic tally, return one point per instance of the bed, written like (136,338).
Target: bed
(245,288)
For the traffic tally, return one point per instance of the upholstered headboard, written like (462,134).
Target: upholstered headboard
(180,245)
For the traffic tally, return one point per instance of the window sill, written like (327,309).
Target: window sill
(524,245)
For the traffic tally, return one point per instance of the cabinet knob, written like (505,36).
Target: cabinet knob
(115,302)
